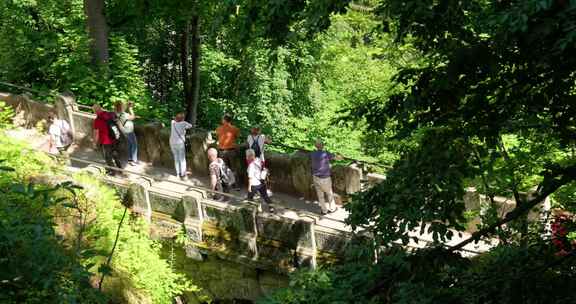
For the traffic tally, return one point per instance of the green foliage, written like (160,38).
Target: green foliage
(489,101)
(282,76)
(137,258)
(508,274)
(6,115)
(35,263)
(46,48)
(41,261)
(35,266)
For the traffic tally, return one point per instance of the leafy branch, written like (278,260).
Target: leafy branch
(553,180)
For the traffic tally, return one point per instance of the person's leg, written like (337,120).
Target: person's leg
(320,193)
(116,155)
(132,147)
(219,188)
(265,198)
(107,153)
(327,188)
(176,154)
(183,171)
(252,192)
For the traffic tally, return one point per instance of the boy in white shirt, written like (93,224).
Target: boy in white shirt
(256,177)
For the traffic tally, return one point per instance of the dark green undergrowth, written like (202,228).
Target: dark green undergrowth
(56,233)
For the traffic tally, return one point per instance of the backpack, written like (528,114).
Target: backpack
(256,146)
(113,130)
(226,175)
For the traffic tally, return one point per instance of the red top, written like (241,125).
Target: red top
(101,127)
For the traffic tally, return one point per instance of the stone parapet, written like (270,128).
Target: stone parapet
(289,173)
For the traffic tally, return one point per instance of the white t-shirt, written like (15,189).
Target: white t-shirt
(260,139)
(60,133)
(178,132)
(255,172)
(126,125)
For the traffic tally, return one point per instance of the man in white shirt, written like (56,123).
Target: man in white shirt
(178,143)
(60,134)
(256,141)
(256,179)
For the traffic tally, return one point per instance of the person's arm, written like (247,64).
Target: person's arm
(213,177)
(336,157)
(130,111)
(50,141)
(188,125)
(213,181)
(96,137)
(250,178)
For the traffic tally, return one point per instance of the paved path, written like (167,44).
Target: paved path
(286,205)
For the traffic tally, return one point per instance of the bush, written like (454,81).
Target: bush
(35,266)
(41,260)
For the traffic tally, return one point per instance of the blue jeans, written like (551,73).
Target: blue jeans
(132,147)
(179,152)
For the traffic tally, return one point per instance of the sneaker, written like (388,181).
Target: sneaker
(271,209)
(333,210)
(131,163)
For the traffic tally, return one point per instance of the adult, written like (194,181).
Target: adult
(227,136)
(125,116)
(321,174)
(60,134)
(217,168)
(103,137)
(178,144)
(256,177)
(257,141)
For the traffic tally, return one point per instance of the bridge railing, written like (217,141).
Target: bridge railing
(236,228)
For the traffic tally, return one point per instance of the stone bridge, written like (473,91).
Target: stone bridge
(296,236)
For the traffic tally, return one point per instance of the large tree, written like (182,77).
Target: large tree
(98,30)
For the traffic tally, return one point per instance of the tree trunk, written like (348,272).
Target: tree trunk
(98,31)
(184,64)
(192,104)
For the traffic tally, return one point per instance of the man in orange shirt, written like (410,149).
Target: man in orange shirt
(227,135)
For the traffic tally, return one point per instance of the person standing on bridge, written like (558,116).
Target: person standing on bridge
(60,134)
(103,137)
(321,175)
(221,178)
(125,115)
(256,179)
(256,141)
(178,144)
(227,136)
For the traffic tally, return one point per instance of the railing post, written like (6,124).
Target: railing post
(142,197)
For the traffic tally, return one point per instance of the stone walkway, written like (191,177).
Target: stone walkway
(286,205)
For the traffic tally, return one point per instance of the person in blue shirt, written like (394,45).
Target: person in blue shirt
(321,174)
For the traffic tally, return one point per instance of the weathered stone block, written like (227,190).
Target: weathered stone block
(163,203)
(194,233)
(301,174)
(330,242)
(188,209)
(139,191)
(198,159)
(374,178)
